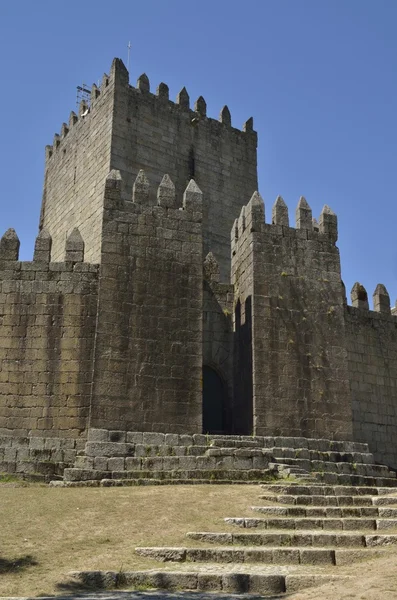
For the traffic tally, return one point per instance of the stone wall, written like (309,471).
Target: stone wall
(372,359)
(76,167)
(148,356)
(152,133)
(291,280)
(47,324)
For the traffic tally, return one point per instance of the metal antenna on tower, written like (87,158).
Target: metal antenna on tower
(128,56)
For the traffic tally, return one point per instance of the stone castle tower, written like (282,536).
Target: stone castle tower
(159,299)
(129,129)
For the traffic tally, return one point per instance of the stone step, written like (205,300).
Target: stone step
(286,469)
(264,556)
(210,578)
(238,461)
(171,439)
(324,490)
(298,539)
(385,500)
(253,475)
(344,524)
(323,501)
(326,511)
(329,456)
(277,556)
(150,481)
(356,480)
(343,468)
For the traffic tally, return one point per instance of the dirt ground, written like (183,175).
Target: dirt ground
(47,532)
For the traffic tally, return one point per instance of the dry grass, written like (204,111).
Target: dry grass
(84,528)
(46,532)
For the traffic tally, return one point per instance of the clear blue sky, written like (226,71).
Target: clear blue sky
(318,76)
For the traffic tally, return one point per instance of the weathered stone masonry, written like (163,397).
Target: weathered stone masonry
(141,311)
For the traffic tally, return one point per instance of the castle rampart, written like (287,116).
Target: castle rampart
(371,337)
(47,315)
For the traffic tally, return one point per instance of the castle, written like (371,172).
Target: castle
(160,300)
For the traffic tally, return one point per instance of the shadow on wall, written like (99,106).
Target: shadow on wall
(216,410)
(243,387)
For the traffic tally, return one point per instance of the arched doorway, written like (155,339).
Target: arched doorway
(214,402)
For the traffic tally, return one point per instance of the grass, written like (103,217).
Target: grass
(47,532)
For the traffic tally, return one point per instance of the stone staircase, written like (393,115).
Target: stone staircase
(297,537)
(112,458)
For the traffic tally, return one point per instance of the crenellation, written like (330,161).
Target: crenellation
(163,92)
(303,215)
(200,106)
(9,246)
(143,83)
(74,247)
(140,190)
(211,268)
(280,212)
(328,223)
(166,193)
(381,299)
(83,109)
(183,99)
(64,130)
(48,152)
(42,247)
(104,83)
(225,116)
(359,296)
(73,118)
(249,125)
(193,197)
(95,93)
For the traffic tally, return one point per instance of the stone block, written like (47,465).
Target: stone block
(116,464)
(117,436)
(236,583)
(134,437)
(110,449)
(317,557)
(153,439)
(209,582)
(101,463)
(133,463)
(266,584)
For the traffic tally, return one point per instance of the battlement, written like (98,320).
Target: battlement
(119,75)
(380,298)
(252,219)
(73,257)
(169,205)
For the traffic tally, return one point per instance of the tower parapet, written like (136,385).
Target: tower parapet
(288,288)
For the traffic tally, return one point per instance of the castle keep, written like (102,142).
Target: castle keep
(161,299)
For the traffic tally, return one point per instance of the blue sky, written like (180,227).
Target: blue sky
(318,76)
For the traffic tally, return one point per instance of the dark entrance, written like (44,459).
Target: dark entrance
(214,402)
